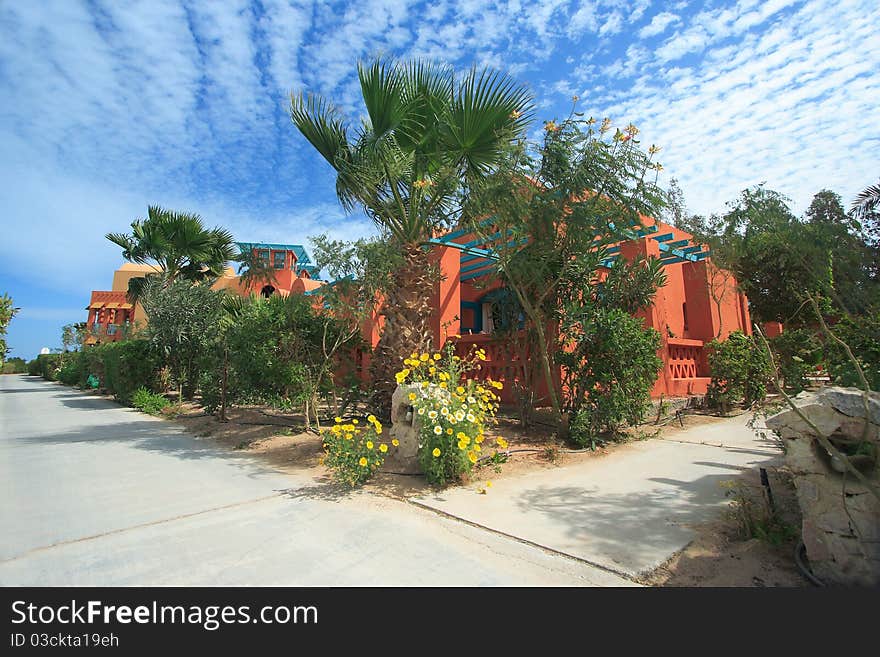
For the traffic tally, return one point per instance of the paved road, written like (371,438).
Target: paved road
(96,494)
(628,511)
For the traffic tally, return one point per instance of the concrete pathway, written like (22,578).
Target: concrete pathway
(95,494)
(627,511)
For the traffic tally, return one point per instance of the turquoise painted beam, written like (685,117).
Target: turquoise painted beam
(476,274)
(665,237)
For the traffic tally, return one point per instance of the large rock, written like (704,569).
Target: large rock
(849,401)
(405,427)
(841,517)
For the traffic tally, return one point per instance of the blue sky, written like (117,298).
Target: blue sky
(109,106)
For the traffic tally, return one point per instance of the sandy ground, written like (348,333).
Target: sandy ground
(722,555)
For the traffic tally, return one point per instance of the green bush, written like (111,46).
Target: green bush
(71,371)
(148,402)
(609,370)
(45,365)
(129,365)
(740,370)
(862,335)
(797,353)
(91,364)
(14,366)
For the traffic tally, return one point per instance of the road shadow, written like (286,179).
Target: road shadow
(635,531)
(327,490)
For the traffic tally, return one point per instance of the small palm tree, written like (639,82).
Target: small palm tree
(429,138)
(178,244)
(253,269)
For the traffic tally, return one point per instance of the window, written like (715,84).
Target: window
(278,258)
(111,329)
(263,254)
(684,315)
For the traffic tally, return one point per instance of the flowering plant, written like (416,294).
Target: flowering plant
(453,411)
(354,452)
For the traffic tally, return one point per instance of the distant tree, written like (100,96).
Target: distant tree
(675,212)
(178,244)
(7,312)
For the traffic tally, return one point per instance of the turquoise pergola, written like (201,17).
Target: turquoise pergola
(478,260)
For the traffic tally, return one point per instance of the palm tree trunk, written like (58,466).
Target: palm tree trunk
(407,311)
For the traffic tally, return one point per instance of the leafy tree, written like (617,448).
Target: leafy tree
(7,312)
(552,219)
(429,138)
(178,244)
(184,321)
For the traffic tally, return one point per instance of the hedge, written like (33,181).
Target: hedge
(120,367)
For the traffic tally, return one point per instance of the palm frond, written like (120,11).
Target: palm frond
(320,123)
(867,202)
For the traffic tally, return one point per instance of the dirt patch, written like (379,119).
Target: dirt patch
(279,438)
(723,554)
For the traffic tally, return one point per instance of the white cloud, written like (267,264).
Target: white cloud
(659,23)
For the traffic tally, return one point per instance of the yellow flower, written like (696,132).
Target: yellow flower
(414,355)
(412,396)
(424,357)
(383,448)
(369,444)
(436,356)
(395,442)
(462,446)
(449,431)
(501,443)
(472,457)
(363,462)
(443,384)
(436,452)
(338,420)
(432,370)
(378,430)
(371,419)
(488,484)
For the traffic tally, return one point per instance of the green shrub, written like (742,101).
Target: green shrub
(797,353)
(14,365)
(862,335)
(129,365)
(91,365)
(148,402)
(45,365)
(740,370)
(609,370)
(71,371)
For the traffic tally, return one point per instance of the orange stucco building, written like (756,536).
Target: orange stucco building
(698,303)
(110,311)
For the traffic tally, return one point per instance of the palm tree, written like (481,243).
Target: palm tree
(429,137)
(253,269)
(179,246)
